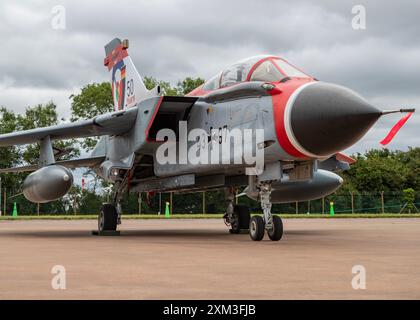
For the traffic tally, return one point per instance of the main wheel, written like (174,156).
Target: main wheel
(108,217)
(256,228)
(241,217)
(276,232)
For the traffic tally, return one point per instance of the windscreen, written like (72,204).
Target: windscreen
(289,70)
(266,72)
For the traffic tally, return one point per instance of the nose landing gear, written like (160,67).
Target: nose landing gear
(239,219)
(273,224)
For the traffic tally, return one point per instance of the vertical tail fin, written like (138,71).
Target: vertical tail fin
(127,85)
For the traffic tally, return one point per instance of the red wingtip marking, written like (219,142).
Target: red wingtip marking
(395,129)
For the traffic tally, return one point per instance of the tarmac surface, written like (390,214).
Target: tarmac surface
(199,259)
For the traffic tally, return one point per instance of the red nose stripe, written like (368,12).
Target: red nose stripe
(279,106)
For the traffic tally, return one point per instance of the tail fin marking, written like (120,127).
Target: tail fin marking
(126,83)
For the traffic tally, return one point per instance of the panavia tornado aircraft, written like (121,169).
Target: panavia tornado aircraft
(305,125)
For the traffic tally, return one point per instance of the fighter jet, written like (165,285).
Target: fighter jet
(261,124)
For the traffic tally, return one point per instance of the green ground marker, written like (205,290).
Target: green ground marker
(167,212)
(331,208)
(14,214)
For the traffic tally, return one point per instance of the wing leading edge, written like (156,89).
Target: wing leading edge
(107,124)
(74,163)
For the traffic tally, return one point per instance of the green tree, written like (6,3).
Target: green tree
(189,84)
(10,156)
(183,87)
(34,117)
(165,87)
(411,161)
(90,202)
(8,123)
(73,198)
(377,170)
(93,100)
(43,116)
(409,196)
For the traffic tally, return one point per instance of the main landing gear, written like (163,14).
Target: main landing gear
(238,217)
(108,217)
(272,224)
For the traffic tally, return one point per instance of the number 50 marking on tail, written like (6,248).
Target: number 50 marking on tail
(131,97)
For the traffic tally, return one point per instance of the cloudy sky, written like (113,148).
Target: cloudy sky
(174,39)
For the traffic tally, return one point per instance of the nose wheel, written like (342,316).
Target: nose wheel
(273,224)
(257,228)
(276,232)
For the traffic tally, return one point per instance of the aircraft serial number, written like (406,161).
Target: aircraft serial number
(231,309)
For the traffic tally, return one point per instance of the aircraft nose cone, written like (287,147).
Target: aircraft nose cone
(326,118)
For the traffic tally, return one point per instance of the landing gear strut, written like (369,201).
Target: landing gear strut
(240,219)
(273,224)
(236,216)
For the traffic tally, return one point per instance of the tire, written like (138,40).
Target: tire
(241,218)
(108,218)
(256,228)
(276,232)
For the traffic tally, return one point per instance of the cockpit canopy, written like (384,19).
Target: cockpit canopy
(258,68)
